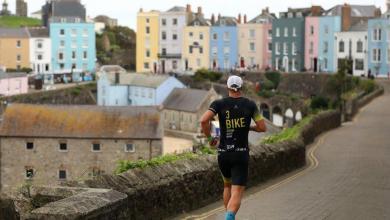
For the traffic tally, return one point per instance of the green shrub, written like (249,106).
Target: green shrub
(274,77)
(207,150)
(125,165)
(288,134)
(367,86)
(204,74)
(267,85)
(266,94)
(319,102)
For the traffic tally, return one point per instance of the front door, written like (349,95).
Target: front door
(285,64)
(163,66)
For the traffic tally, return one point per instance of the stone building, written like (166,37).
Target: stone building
(183,109)
(109,22)
(21,8)
(4,9)
(50,144)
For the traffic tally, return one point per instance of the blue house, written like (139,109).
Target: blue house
(224,44)
(378,46)
(73,48)
(135,89)
(328,25)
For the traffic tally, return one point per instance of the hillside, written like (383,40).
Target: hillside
(15,21)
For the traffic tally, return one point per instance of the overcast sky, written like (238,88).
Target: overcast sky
(126,10)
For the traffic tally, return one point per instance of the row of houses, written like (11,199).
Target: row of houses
(300,39)
(64,48)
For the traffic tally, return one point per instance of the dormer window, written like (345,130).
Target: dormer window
(196,23)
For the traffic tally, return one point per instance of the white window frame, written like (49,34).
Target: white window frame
(286,32)
(254,47)
(285,48)
(277,48)
(277,32)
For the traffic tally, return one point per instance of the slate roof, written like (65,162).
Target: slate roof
(359,25)
(81,122)
(357,10)
(13,33)
(177,9)
(112,69)
(142,80)
(38,32)
(226,21)
(68,8)
(188,100)
(270,16)
(201,21)
(11,75)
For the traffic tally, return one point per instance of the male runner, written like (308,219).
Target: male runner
(235,114)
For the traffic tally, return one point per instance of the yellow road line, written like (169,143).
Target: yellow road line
(313,165)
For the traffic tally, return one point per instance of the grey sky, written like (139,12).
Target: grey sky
(126,10)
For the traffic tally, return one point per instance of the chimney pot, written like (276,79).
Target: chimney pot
(245,19)
(239,18)
(188,8)
(199,10)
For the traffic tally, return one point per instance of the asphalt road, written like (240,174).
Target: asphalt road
(348,176)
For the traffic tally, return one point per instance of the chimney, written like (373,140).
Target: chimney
(239,18)
(245,19)
(141,10)
(265,11)
(188,9)
(212,19)
(346,17)
(219,17)
(316,10)
(117,78)
(199,10)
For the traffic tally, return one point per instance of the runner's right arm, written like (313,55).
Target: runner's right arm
(259,120)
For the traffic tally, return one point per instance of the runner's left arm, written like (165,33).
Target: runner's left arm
(259,120)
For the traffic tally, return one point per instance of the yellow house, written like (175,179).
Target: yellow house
(196,44)
(147,41)
(14,48)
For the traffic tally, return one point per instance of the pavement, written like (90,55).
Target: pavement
(348,176)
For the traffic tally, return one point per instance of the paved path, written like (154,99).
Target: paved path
(349,177)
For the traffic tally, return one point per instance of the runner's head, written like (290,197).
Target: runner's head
(234,83)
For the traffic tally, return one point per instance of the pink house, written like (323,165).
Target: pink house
(267,49)
(13,84)
(311,43)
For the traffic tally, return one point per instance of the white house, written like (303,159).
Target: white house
(353,45)
(172,23)
(36,15)
(40,51)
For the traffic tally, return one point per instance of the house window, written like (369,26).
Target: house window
(252,47)
(277,48)
(341,46)
(326,29)
(73,54)
(73,66)
(377,34)
(359,46)
(62,43)
(226,36)
(252,33)
(74,32)
(85,66)
(191,34)
(214,50)
(146,65)
(147,20)
(47,67)
(62,66)
(129,148)
(376,55)
(29,173)
(215,36)
(163,35)
(63,146)
(226,50)
(285,48)
(277,32)
(147,30)
(359,64)
(62,32)
(85,43)
(191,48)
(96,147)
(60,55)
(312,30)
(294,31)
(174,21)
(294,48)
(163,22)
(29,145)
(164,51)
(269,47)
(326,47)
(85,55)
(286,31)
(201,50)
(74,43)
(325,64)
(18,44)
(62,174)
(201,36)
(269,32)
(147,52)
(85,32)
(198,62)
(39,45)
(174,36)
(39,57)
(18,57)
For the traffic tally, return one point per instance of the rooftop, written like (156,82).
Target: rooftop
(13,33)
(188,100)
(138,79)
(357,10)
(81,122)
(11,75)
(38,32)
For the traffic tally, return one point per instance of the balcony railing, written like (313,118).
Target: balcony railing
(169,55)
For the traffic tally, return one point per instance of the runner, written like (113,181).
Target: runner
(235,114)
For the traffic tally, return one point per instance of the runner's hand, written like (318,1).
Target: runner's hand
(213,141)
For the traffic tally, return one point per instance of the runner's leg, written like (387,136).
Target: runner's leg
(226,194)
(235,200)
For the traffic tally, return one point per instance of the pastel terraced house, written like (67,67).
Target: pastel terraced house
(14,48)
(148,35)
(255,41)
(196,44)
(224,43)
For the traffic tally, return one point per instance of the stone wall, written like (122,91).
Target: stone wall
(353,106)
